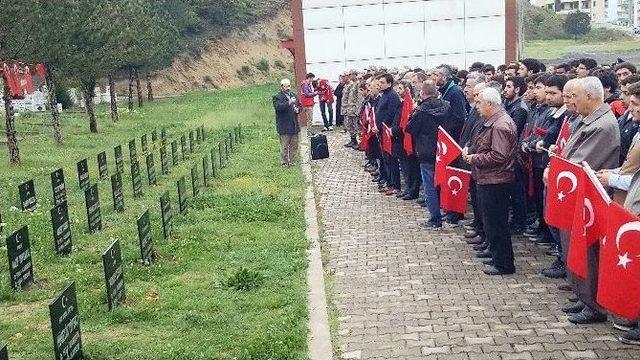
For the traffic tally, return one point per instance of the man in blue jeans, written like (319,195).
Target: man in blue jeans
(423,127)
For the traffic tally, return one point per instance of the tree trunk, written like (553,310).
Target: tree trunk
(89,93)
(138,88)
(112,95)
(12,142)
(131,79)
(53,105)
(149,88)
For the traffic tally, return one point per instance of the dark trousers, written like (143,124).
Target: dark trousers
(477,214)
(519,199)
(326,107)
(538,197)
(411,171)
(494,207)
(392,168)
(339,116)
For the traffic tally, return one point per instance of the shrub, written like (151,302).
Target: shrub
(541,23)
(244,280)
(263,65)
(244,72)
(606,34)
(279,64)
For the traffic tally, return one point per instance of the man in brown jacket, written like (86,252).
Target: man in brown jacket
(493,165)
(596,140)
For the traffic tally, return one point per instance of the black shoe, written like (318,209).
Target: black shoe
(492,270)
(355,146)
(375,173)
(573,308)
(532,232)
(470,234)
(401,195)
(631,337)
(556,271)
(553,252)
(410,197)
(623,324)
(485,254)
(543,240)
(421,201)
(565,287)
(587,316)
(481,247)
(424,204)
(517,231)
(475,241)
(488,262)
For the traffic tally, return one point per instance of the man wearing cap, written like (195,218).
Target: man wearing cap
(287,107)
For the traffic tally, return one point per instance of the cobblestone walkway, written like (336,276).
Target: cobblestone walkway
(406,293)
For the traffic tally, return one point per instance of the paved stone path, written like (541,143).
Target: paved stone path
(407,293)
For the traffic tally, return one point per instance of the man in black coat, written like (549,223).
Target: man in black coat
(388,111)
(287,108)
(338,94)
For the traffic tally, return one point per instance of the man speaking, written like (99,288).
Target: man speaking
(287,108)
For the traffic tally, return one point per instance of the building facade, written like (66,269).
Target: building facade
(629,13)
(597,9)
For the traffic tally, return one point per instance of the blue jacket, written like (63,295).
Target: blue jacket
(458,104)
(388,108)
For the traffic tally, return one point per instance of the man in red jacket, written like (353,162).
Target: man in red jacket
(307,101)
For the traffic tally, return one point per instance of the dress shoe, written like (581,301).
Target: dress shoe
(355,146)
(481,247)
(631,337)
(376,179)
(420,201)
(572,298)
(401,194)
(573,308)
(430,225)
(470,226)
(485,254)
(565,287)
(409,197)
(488,262)
(553,252)
(375,173)
(518,231)
(475,241)
(587,316)
(623,324)
(556,271)
(531,232)
(470,234)
(424,204)
(392,191)
(492,270)
(383,189)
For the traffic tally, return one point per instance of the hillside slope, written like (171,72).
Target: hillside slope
(235,60)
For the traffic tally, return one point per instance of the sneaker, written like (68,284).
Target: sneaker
(623,325)
(588,316)
(330,128)
(573,308)
(349,144)
(448,225)
(556,271)
(325,129)
(430,225)
(631,337)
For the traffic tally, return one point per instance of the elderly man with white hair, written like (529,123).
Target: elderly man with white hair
(596,140)
(287,107)
(493,165)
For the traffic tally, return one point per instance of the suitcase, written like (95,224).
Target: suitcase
(319,147)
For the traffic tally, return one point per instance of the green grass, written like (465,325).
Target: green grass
(554,49)
(230,283)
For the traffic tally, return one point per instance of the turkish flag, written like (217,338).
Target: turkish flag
(562,191)
(447,151)
(12,81)
(28,79)
(455,190)
(619,265)
(41,70)
(563,137)
(407,109)
(540,131)
(386,138)
(364,133)
(589,222)
(18,92)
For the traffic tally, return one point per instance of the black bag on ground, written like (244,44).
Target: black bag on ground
(319,147)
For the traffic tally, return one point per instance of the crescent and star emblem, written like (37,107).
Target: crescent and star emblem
(623,260)
(456,180)
(588,206)
(574,183)
(63,302)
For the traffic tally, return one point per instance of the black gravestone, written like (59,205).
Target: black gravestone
(83,174)
(174,152)
(151,170)
(61,228)
(133,153)
(102,165)
(191,141)
(27,196)
(154,135)
(146,242)
(165,208)
(143,144)
(163,136)
(116,192)
(213,163)
(183,146)
(220,154)
(92,203)
(58,187)
(20,263)
(182,195)
(205,171)
(1,223)
(117,152)
(198,136)
(204,136)
(113,274)
(4,354)
(164,160)
(65,325)
(226,149)
(136,180)
(230,136)
(195,181)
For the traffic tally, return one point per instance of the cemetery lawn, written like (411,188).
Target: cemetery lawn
(246,230)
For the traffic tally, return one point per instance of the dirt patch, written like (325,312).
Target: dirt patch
(236,60)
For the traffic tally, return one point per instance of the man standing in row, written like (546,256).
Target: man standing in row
(307,100)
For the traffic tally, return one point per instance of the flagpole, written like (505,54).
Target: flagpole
(591,174)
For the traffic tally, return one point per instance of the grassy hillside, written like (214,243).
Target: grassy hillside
(245,230)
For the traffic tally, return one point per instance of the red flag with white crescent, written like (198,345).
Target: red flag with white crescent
(407,109)
(447,151)
(562,190)
(563,137)
(589,222)
(28,79)
(455,190)
(619,264)
(386,139)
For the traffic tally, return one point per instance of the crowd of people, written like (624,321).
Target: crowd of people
(507,122)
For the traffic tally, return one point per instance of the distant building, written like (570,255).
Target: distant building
(597,9)
(629,13)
